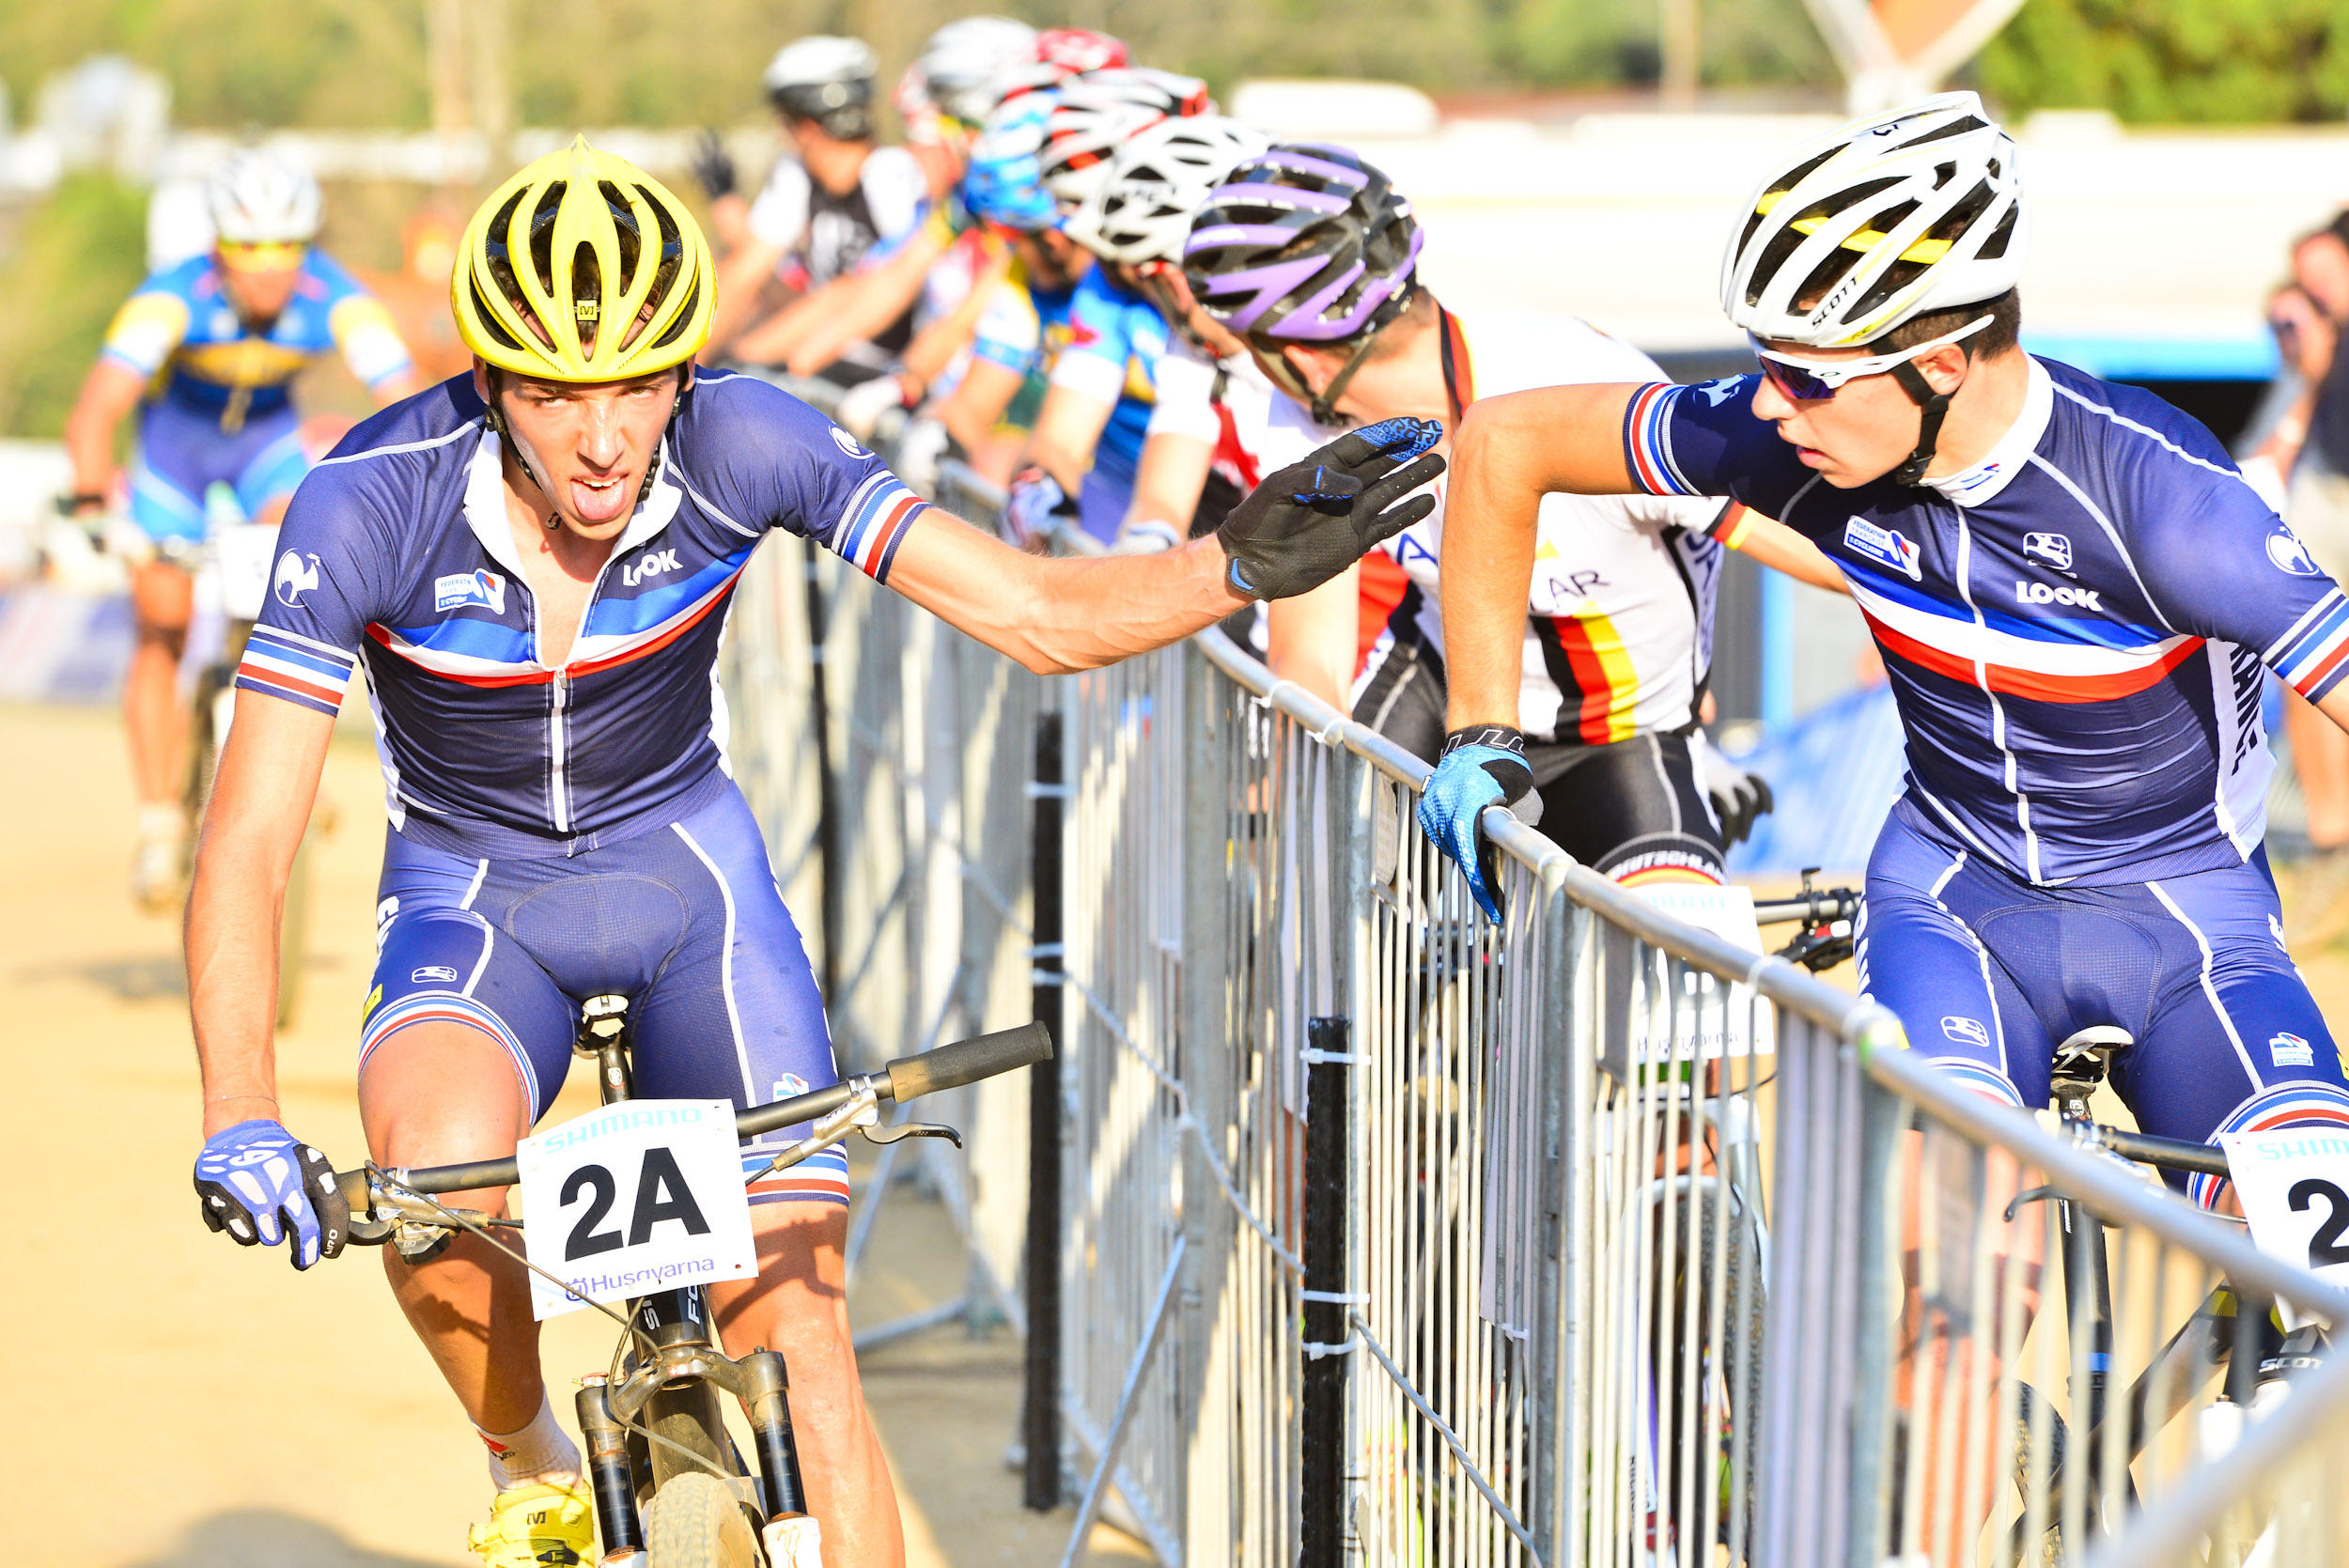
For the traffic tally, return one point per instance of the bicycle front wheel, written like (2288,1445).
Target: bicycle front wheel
(695,1521)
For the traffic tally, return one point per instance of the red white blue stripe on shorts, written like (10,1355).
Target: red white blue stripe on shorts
(874,523)
(821,1178)
(297,668)
(2287,1105)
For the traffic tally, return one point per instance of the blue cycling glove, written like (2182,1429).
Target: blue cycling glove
(1036,507)
(1311,521)
(1482,766)
(263,1186)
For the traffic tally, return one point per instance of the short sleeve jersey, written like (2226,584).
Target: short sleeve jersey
(1618,616)
(1116,339)
(181,331)
(398,561)
(824,236)
(2074,626)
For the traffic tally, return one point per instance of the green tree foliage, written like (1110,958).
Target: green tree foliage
(77,257)
(2175,61)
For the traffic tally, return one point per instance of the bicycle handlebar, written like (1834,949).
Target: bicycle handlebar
(905,1078)
(2168,1153)
(1814,908)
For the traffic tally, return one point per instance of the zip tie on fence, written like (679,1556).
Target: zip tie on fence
(1040,791)
(1342,1299)
(1184,1120)
(1313,1057)
(1452,1441)
(1314,1352)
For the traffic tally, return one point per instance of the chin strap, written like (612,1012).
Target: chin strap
(1934,407)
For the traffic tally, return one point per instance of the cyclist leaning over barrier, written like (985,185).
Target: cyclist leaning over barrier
(533,564)
(206,352)
(821,211)
(1312,256)
(1086,443)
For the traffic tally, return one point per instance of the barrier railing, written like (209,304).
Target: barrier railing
(1388,1234)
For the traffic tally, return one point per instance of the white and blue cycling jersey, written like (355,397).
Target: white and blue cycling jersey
(2074,626)
(396,560)
(2074,629)
(562,829)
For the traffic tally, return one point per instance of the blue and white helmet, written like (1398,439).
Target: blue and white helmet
(1915,210)
(259,197)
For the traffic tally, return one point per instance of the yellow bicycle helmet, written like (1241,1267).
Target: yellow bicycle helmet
(578,241)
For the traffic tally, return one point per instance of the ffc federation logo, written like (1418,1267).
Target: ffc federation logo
(480,587)
(1885,546)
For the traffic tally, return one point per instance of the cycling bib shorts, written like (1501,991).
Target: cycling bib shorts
(182,454)
(1988,974)
(684,920)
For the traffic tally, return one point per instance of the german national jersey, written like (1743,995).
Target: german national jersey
(2074,626)
(1619,625)
(180,326)
(399,559)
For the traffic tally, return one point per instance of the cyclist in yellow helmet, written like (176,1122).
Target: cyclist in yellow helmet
(532,561)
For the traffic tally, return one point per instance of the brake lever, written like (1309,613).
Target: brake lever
(898,1131)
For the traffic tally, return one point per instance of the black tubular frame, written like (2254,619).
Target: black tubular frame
(1040,1411)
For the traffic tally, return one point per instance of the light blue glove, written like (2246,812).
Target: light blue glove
(1036,507)
(263,1186)
(1483,765)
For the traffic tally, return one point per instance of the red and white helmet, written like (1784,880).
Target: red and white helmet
(1916,210)
(1098,113)
(1142,211)
(1080,49)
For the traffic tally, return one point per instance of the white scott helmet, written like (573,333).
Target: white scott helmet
(1915,210)
(962,59)
(1156,180)
(828,80)
(258,197)
(1099,112)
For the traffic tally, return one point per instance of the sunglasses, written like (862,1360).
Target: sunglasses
(1810,380)
(263,256)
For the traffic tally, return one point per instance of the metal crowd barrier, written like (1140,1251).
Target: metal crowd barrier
(1363,1230)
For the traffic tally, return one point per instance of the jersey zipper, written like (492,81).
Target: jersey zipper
(558,790)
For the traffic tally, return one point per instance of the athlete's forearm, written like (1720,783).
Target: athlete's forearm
(1067,430)
(1779,547)
(880,295)
(740,277)
(1491,519)
(1057,616)
(1311,639)
(1169,480)
(109,391)
(393,388)
(252,828)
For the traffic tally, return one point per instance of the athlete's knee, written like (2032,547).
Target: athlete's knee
(433,1093)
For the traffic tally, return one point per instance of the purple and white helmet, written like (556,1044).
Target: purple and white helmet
(1303,245)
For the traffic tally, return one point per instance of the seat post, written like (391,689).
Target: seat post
(603,1035)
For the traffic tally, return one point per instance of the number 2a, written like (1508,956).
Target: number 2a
(2325,1247)
(662,1194)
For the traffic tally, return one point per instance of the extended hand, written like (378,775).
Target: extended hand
(1481,767)
(263,1186)
(1311,521)
(1739,798)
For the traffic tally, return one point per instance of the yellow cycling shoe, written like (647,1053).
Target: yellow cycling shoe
(542,1526)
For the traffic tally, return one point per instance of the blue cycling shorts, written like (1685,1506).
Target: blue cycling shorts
(1989,973)
(182,452)
(685,920)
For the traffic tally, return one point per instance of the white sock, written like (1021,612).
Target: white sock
(541,1451)
(163,820)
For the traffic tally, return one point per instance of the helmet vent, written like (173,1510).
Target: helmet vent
(683,318)
(1941,134)
(489,320)
(1995,247)
(542,234)
(586,295)
(1788,240)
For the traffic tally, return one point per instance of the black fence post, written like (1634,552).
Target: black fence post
(827,786)
(1322,1456)
(1039,1418)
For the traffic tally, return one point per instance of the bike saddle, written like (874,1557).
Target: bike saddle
(2083,1058)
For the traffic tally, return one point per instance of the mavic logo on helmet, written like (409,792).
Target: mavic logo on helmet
(2289,554)
(584,310)
(296,575)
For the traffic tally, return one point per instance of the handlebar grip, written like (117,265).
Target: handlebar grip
(353,1186)
(968,1061)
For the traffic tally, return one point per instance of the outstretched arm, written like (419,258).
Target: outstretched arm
(1779,547)
(1510,452)
(1303,526)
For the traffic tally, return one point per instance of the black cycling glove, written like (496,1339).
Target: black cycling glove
(1311,521)
(713,165)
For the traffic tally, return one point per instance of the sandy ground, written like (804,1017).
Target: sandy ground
(190,1405)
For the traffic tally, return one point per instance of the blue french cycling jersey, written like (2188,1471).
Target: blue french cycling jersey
(398,557)
(2074,626)
(1116,340)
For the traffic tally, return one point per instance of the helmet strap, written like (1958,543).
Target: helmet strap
(1934,407)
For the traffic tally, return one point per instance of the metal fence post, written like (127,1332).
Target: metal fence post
(1206,1052)
(1566,1023)
(1039,1422)
(1322,1447)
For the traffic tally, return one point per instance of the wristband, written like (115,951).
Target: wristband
(1500,736)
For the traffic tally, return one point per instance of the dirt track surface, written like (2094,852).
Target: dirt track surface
(188,1404)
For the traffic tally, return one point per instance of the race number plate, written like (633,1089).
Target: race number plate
(2293,1185)
(640,1196)
(1699,1011)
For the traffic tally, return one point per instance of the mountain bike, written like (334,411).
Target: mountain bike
(2231,1335)
(671,1489)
